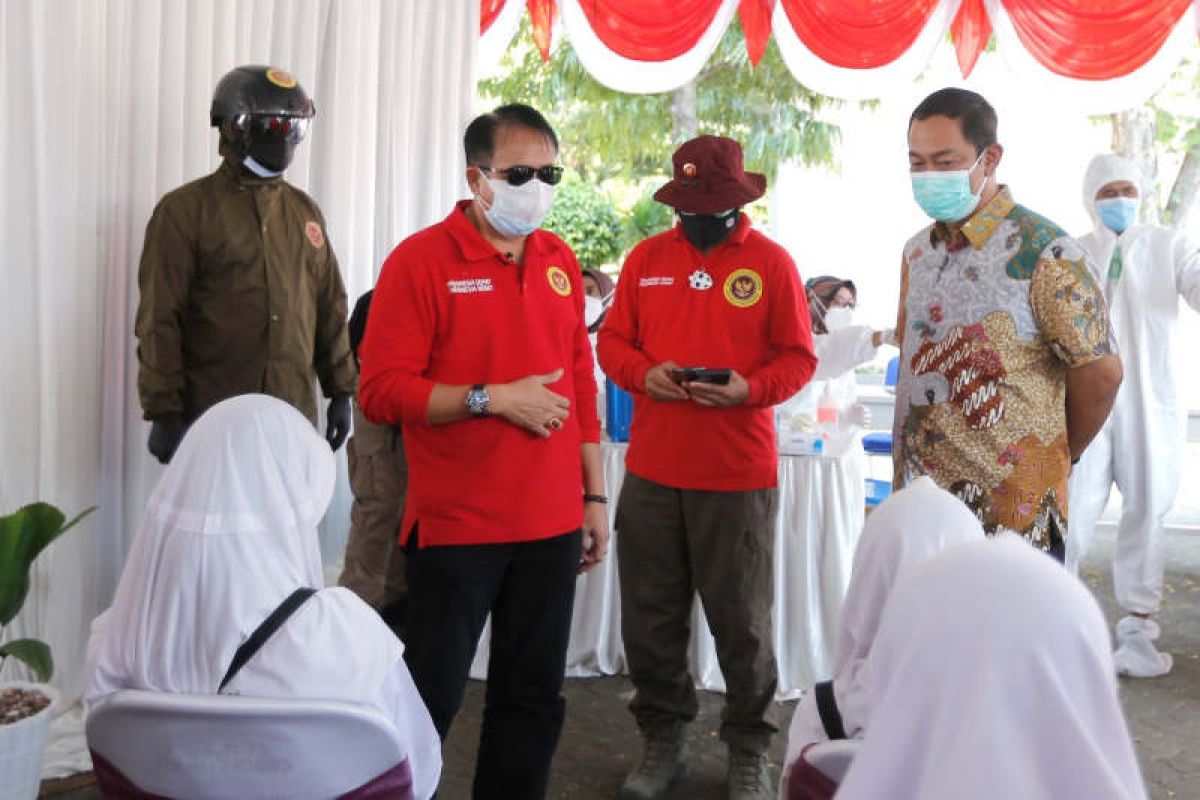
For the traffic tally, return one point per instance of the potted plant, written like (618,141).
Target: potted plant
(25,708)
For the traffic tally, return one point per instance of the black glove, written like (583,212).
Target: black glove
(337,421)
(165,436)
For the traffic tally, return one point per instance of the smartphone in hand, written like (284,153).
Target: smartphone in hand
(718,376)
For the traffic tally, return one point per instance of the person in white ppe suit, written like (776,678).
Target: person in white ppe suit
(910,527)
(840,346)
(229,533)
(1144,271)
(991,678)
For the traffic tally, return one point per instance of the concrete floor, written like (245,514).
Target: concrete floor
(599,743)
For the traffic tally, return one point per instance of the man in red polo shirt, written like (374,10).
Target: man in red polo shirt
(476,343)
(697,508)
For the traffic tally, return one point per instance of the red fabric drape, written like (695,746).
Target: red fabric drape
(488,11)
(541,18)
(1094,39)
(858,34)
(970,32)
(650,30)
(756,25)
(1083,39)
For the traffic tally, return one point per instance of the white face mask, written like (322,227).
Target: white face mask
(838,318)
(593,307)
(517,211)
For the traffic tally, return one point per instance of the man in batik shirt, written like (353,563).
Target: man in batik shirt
(1007,366)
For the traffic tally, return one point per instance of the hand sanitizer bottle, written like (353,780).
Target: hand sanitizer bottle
(827,411)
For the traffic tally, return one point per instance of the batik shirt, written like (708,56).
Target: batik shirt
(992,317)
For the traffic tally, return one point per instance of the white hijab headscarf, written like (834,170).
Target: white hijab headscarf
(908,528)
(992,678)
(229,532)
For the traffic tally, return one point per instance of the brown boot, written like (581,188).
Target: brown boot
(663,762)
(749,778)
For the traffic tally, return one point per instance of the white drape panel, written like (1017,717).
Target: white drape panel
(103,109)
(640,77)
(495,40)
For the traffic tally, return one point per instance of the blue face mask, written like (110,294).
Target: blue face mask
(1117,213)
(946,196)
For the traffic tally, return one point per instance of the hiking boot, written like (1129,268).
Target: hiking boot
(663,762)
(748,775)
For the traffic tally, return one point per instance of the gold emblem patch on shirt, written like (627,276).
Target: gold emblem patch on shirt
(743,288)
(316,236)
(281,78)
(559,281)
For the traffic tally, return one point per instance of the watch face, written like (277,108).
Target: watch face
(477,401)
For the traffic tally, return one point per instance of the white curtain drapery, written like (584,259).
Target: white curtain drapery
(104,108)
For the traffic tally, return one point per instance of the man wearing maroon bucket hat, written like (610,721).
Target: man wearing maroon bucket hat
(697,508)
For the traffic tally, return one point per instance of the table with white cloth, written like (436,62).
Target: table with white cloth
(821,507)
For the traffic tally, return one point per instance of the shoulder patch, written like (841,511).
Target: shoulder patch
(316,237)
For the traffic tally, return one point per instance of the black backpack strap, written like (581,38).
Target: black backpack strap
(831,718)
(265,631)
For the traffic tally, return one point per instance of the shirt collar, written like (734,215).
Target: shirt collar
(740,232)
(471,244)
(979,227)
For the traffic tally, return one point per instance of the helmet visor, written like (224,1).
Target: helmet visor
(273,127)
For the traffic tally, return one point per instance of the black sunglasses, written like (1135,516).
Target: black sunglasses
(519,174)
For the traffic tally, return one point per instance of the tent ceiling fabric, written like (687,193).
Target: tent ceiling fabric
(1094,55)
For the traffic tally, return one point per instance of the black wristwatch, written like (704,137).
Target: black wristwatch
(478,400)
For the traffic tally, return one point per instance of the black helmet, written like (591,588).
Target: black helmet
(262,113)
(259,90)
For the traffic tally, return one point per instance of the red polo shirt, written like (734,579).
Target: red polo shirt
(741,306)
(449,308)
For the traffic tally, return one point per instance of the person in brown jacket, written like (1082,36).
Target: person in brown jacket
(240,290)
(373,565)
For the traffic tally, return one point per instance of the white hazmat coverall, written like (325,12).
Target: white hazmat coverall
(1140,447)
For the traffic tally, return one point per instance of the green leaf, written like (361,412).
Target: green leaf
(33,653)
(23,535)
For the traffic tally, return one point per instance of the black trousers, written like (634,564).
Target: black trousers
(529,589)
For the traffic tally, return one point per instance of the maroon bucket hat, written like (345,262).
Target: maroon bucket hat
(710,177)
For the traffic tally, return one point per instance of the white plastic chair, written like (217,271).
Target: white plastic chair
(214,747)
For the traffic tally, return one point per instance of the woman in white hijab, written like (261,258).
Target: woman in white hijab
(913,525)
(230,532)
(992,678)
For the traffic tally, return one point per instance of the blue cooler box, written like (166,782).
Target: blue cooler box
(618,408)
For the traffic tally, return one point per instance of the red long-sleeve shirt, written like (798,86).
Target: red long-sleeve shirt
(449,308)
(741,306)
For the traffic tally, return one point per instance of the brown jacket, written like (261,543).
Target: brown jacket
(240,292)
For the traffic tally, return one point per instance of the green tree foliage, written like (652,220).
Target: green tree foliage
(645,218)
(607,134)
(586,220)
